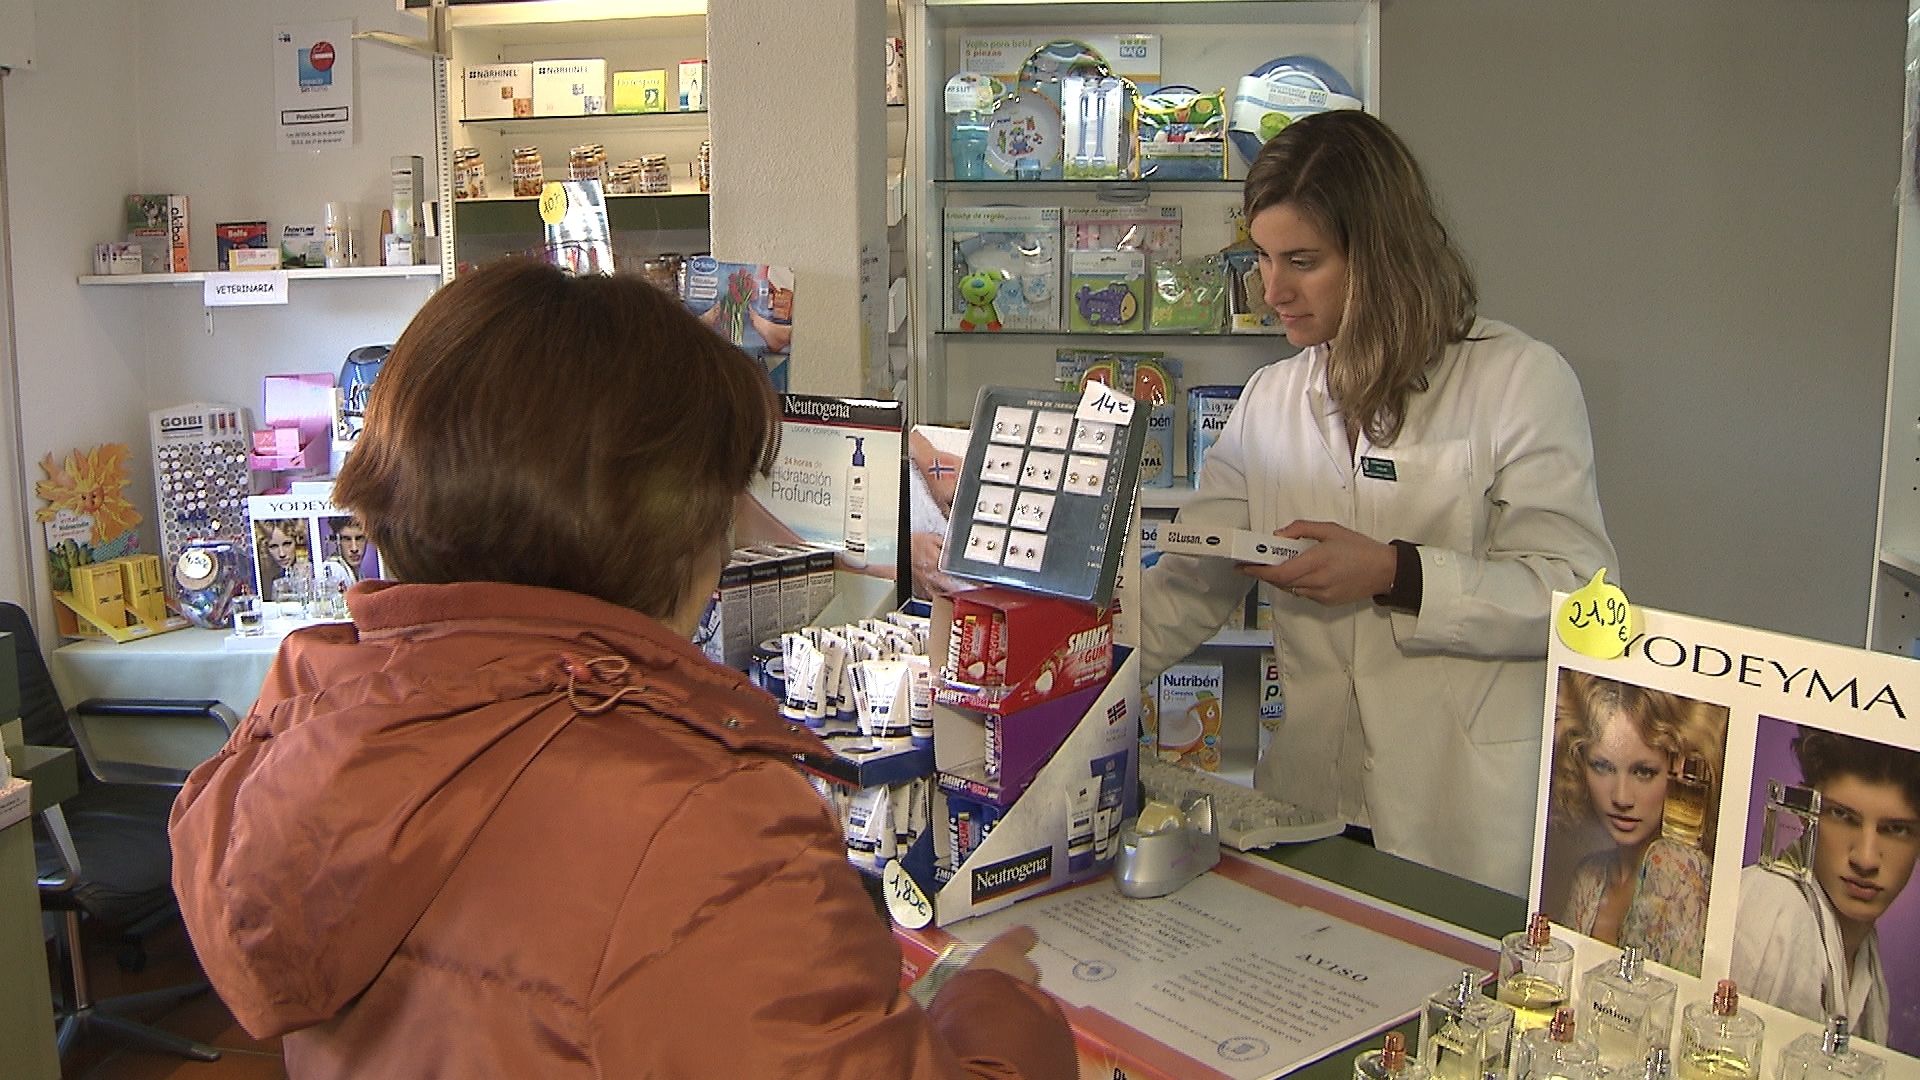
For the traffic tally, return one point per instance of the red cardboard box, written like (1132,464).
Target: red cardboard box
(1008,650)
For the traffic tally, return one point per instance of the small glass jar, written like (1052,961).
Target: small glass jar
(529,175)
(469,174)
(655,179)
(703,165)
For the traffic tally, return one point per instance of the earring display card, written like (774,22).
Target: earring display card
(1050,491)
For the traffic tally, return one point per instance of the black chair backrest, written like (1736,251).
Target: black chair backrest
(43,718)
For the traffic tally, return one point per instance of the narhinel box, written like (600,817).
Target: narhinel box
(640,91)
(168,215)
(497,91)
(693,85)
(1240,545)
(569,87)
(1010,650)
(228,235)
(1191,709)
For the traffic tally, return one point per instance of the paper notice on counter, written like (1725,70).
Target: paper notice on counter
(1240,982)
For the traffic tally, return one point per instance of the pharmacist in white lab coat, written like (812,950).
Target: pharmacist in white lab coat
(1443,464)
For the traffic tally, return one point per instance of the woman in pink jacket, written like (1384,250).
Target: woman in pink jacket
(510,822)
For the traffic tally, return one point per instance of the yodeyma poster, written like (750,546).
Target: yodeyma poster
(836,482)
(1745,805)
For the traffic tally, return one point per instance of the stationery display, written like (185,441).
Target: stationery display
(104,587)
(1047,490)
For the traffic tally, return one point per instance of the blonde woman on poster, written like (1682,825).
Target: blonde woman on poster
(1617,750)
(1807,937)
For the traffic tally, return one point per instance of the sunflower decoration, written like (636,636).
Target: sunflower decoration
(91,483)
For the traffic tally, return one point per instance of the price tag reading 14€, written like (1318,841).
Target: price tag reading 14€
(1102,404)
(1596,620)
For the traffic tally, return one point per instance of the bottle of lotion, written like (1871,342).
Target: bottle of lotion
(856,520)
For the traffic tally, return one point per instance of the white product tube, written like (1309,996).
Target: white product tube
(880,693)
(870,828)
(805,666)
(919,700)
(835,699)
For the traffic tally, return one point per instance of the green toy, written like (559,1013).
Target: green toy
(979,291)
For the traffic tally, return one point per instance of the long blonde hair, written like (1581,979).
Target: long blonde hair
(1410,292)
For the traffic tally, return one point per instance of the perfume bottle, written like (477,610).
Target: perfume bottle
(1828,1055)
(1658,1066)
(1717,1039)
(1628,1010)
(1536,973)
(1463,1033)
(1390,1062)
(1684,815)
(1556,1052)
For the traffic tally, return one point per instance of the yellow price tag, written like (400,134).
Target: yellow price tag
(1596,619)
(553,203)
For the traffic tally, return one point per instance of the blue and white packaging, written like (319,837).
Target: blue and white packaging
(1208,408)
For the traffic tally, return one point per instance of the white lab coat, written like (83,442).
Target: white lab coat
(1427,727)
(1787,952)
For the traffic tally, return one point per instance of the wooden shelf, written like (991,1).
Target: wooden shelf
(343,273)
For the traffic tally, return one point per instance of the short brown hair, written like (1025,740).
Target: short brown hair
(577,433)
(1411,293)
(1825,756)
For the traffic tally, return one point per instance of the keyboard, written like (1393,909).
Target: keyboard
(1246,819)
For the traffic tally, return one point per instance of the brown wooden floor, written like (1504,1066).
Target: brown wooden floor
(169,962)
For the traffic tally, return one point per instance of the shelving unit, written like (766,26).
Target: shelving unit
(629,35)
(1893,610)
(1203,43)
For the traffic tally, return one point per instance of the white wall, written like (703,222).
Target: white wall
(176,96)
(1695,203)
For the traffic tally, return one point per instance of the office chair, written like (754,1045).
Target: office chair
(103,855)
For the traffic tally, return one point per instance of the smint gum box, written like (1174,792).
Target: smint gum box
(1207,410)
(1192,706)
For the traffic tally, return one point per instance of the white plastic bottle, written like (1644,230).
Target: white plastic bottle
(855,532)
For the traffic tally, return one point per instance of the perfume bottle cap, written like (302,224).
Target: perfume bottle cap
(1539,931)
(1838,1035)
(1560,1028)
(1467,988)
(1393,1052)
(1630,960)
(1726,998)
(1658,1066)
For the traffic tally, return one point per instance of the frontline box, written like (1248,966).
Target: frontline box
(1240,545)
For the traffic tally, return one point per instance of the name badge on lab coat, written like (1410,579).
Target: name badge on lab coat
(1377,469)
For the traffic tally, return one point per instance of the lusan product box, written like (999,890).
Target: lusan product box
(1191,708)
(1208,408)
(1240,545)
(1009,650)
(640,91)
(168,214)
(497,91)
(569,87)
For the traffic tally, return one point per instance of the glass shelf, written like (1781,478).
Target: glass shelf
(692,118)
(1117,340)
(1108,187)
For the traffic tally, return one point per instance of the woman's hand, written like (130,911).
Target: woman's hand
(924,550)
(1342,567)
(1008,952)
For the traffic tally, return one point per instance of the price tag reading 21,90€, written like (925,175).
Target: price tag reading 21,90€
(1102,404)
(1596,620)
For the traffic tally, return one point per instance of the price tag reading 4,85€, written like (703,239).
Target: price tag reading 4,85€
(905,902)
(1596,620)
(1102,404)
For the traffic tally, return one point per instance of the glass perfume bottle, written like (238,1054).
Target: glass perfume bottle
(1628,1010)
(1536,973)
(1463,1033)
(1659,1066)
(1684,815)
(1814,1057)
(1390,1062)
(1717,1040)
(1556,1052)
